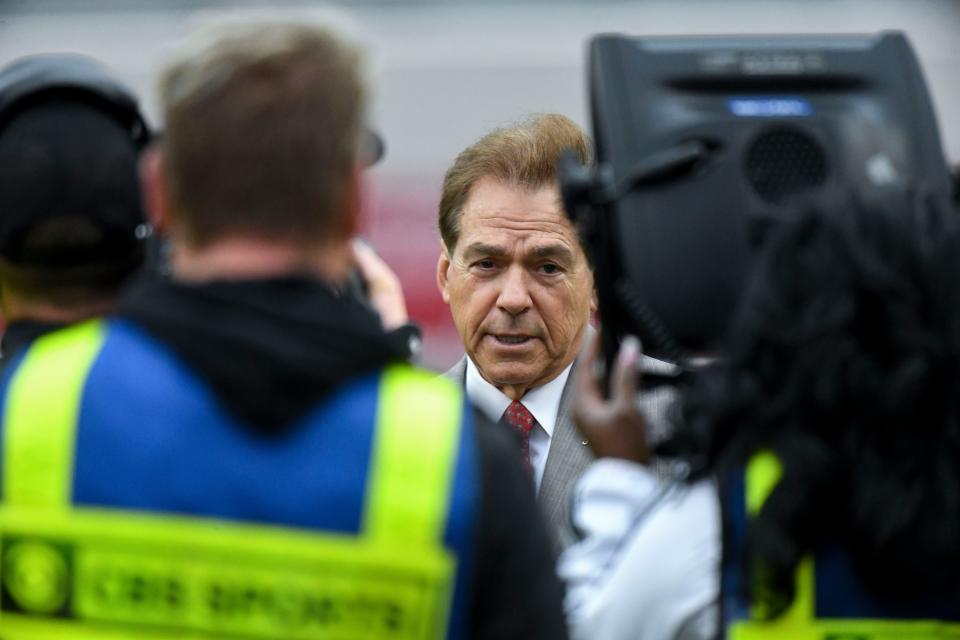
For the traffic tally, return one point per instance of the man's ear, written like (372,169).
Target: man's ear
(155,186)
(443,268)
(354,196)
(356,199)
(593,301)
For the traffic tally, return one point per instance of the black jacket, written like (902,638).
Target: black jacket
(304,340)
(20,334)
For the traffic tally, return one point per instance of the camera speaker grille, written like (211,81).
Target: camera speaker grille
(784,160)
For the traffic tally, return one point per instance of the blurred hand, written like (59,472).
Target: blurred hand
(383,286)
(614,427)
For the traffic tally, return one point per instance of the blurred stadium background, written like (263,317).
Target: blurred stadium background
(447,71)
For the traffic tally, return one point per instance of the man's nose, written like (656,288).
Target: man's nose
(515,294)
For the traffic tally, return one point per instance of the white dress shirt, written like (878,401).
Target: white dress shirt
(543,402)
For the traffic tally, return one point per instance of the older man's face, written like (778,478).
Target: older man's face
(518,285)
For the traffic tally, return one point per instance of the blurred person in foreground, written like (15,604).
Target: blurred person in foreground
(71,221)
(520,290)
(242,450)
(825,494)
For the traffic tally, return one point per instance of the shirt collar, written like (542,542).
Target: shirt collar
(543,402)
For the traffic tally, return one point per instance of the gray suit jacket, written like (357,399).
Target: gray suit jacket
(569,455)
(567,459)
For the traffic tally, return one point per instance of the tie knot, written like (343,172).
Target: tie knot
(519,417)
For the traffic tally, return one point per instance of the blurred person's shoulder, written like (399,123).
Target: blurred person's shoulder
(514,558)
(496,444)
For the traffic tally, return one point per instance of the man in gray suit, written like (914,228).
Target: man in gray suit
(521,294)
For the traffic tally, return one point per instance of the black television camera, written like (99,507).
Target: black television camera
(700,141)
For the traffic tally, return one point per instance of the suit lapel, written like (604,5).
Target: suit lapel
(567,459)
(458,372)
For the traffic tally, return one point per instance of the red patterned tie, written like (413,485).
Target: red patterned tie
(522,421)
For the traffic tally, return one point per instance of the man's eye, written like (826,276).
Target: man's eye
(550,269)
(485,264)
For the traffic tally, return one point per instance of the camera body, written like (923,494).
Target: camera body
(702,141)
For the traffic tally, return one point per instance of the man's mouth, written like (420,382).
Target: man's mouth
(511,340)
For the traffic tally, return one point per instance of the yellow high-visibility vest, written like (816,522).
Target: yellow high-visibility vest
(800,621)
(77,573)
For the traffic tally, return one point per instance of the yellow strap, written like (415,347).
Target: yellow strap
(763,473)
(414,456)
(40,417)
(846,629)
(799,621)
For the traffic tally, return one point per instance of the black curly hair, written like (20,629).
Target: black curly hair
(844,359)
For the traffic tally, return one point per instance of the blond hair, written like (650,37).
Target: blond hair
(263,122)
(523,154)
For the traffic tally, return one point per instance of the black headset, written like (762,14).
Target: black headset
(35,79)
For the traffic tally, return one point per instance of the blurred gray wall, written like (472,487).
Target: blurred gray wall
(449,71)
